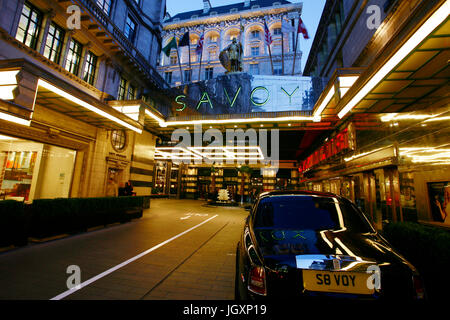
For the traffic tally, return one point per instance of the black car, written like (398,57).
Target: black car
(313,244)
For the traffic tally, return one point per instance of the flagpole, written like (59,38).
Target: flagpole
(190,67)
(201,56)
(295,50)
(179,64)
(282,51)
(268,45)
(241,27)
(270,55)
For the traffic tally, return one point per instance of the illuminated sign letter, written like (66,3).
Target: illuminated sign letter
(182,103)
(256,103)
(289,95)
(202,100)
(235,96)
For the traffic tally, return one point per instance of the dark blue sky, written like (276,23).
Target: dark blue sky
(312,10)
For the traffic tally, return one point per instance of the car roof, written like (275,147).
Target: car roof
(297,192)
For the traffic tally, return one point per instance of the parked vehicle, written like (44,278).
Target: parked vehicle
(312,244)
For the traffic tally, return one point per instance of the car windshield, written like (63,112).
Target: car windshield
(309,213)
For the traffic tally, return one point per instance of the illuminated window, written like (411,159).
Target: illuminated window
(29,26)
(119,139)
(212,54)
(122,89)
(173,59)
(54,43)
(90,68)
(213,39)
(105,5)
(130,29)
(74,57)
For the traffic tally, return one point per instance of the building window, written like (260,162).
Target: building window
(130,29)
(74,57)
(168,77)
(90,68)
(187,75)
(122,89)
(29,26)
(255,34)
(277,32)
(173,59)
(105,5)
(213,39)
(54,43)
(119,139)
(276,49)
(209,72)
(195,57)
(212,54)
(255,51)
(254,68)
(277,69)
(131,92)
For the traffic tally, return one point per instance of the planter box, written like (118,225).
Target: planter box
(14,223)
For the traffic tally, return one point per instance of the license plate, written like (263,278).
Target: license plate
(339,282)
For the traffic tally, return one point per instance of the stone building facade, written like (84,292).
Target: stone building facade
(219,26)
(76,79)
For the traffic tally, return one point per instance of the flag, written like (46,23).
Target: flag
(267,35)
(184,40)
(286,27)
(302,29)
(172,44)
(199,48)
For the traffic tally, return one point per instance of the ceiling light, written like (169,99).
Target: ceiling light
(323,104)
(243,120)
(8,117)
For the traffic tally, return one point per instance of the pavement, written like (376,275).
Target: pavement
(135,260)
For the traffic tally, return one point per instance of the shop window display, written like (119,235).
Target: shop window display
(439,197)
(30,170)
(407,196)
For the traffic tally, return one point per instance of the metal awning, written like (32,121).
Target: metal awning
(83,109)
(402,76)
